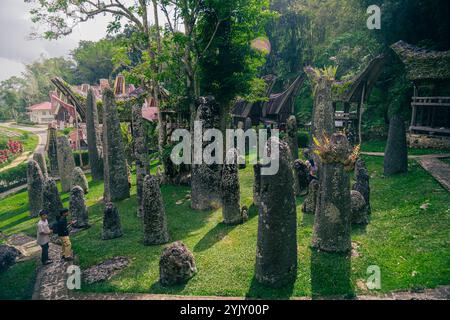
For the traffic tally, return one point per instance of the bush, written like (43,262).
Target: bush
(84,156)
(303,139)
(13,177)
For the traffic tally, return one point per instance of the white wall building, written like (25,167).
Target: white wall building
(41,113)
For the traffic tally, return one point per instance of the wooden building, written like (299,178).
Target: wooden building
(429,71)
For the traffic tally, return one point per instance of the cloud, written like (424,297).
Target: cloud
(17,49)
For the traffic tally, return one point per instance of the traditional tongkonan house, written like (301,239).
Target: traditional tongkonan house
(429,72)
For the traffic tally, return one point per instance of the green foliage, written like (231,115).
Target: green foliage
(84,157)
(13,177)
(303,139)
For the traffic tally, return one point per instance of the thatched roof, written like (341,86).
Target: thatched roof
(351,91)
(423,64)
(279,100)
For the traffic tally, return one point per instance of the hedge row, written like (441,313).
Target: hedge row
(13,177)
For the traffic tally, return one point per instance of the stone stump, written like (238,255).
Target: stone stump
(112,227)
(78,208)
(396,154)
(309,205)
(40,159)
(332,223)
(8,256)
(205,179)
(140,154)
(276,248)
(51,200)
(362,184)
(302,172)
(35,186)
(94,137)
(176,265)
(114,161)
(257,184)
(79,179)
(154,214)
(66,163)
(360,216)
(231,195)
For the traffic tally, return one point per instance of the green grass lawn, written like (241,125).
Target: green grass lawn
(380,146)
(29,140)
(410,245)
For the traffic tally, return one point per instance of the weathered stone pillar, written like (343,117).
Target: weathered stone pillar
(51,201)
(35,181)
(154,218)
(79,179)
(205,179)
(231,194)
(396,154)
(291,136)
(112,227)
(276,248)
(52,151)
(114,160)
(78,209)
(257,184)
(362,184)
(309,205)
(94,137)
(140,153)
(40,159)
(360,215)
(301,170)
(332,223)
(66,163)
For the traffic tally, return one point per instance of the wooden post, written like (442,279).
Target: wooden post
(361,110)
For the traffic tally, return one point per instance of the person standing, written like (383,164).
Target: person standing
(43,236)
(62,228)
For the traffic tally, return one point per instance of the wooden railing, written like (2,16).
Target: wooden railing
(431,101)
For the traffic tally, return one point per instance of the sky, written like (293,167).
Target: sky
(16,49)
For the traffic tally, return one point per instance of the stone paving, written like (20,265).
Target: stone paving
(438,169)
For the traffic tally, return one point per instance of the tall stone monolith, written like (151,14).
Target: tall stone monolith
(140,154)
(309,205)
(257,184)
(35,183)
(52,152)
(205,179)
(78,208)
(40,159)
(66,163)
(396,154)
(276,248)
(94,140)
(231,194)
(301,170)
(291,136)
(51,201)
(114,161)
(362,184)
(154,214)
(332,222)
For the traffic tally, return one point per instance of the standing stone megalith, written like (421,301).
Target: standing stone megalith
(79,179)
(360,215)
(231,194)
(35,182)
(205,179)
(257,184)
(362,184)
(114,160)
(396,154)
(52,151)
(78,208)
(309,205)
(112,227)
(51,201)
(291,136)
(140,153)
(66,163)
(276,248)
(302,172)
(154,214)
(332,223)
(40,159)
(94,137)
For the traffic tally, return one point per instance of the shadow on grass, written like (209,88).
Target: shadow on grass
(157,288)
(307,220)
(358,230)
(23,209)
(330,275)
(15,223)
(260,291)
